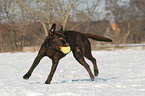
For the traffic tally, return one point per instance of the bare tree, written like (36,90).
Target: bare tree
(8,15)
(48,11)
(128,16)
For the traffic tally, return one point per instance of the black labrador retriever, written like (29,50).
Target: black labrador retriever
(58,44)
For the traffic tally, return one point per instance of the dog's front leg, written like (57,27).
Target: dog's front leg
(35,63)
(53,69)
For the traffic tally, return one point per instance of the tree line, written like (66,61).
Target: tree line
(26,22)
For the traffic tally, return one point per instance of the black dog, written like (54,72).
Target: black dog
(78,43)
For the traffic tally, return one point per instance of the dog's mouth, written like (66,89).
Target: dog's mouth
(65,49)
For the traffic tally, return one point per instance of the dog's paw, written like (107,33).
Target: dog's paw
(26,76)
(46,82)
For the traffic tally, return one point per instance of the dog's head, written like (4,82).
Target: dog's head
(57,40)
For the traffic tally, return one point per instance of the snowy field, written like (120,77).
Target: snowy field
(122,73)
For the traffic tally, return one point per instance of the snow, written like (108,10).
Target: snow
(122,73)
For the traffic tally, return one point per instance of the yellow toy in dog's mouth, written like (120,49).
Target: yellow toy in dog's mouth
(65,50)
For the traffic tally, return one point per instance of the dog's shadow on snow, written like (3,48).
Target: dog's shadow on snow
(89,80)
(84,80)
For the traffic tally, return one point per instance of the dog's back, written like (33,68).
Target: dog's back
(80,40)
(77,40)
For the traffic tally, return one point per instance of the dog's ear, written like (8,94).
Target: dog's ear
(61,28)
(52,30)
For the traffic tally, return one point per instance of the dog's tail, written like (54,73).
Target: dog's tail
(97,37)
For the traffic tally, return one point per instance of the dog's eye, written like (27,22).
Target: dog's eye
(61,38)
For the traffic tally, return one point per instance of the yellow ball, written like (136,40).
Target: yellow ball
(65,50)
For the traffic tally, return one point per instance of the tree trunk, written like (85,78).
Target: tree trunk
(67,13)
(1,42)
(45,28)
(127,34)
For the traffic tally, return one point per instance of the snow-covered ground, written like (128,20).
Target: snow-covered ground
(122,73)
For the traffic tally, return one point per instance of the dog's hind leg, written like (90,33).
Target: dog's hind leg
(93,60)
(80,58)
(89,56)
(35,63)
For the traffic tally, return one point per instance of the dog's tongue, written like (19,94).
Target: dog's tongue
(65,50)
